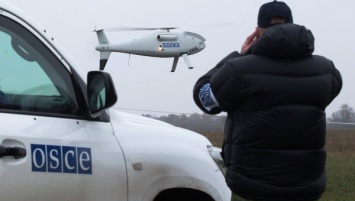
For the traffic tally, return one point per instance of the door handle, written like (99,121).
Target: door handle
(16,152)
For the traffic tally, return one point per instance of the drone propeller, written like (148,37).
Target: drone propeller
(138,28)
(127,28)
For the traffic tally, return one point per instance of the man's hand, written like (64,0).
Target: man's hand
(249,41)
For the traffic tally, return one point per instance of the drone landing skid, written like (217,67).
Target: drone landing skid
(187,61)
(176,59)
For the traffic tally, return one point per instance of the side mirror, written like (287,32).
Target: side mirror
(101,92)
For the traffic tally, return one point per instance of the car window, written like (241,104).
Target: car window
(31,76)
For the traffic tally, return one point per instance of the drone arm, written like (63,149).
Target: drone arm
(187,61)
(176,59)
(103,59)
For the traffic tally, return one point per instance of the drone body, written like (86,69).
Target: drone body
(162,44)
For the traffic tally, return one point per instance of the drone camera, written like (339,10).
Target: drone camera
(167,37)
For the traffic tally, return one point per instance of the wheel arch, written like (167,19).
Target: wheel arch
(186,194)
(170,187)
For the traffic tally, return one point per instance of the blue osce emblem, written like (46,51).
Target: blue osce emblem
(170,45)
(61,159)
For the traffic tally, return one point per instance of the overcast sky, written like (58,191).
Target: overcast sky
(145,85)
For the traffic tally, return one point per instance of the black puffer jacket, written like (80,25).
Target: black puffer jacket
(275,129)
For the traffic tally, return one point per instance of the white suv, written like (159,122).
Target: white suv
(60,141)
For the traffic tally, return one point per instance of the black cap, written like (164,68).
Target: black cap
(273,9)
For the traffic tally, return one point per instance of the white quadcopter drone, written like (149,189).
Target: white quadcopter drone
(161,44)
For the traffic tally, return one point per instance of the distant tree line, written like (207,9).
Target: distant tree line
(345,114)
(211,123)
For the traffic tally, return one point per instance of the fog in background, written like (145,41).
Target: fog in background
(145,85)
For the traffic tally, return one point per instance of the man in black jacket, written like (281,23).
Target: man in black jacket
(275,94)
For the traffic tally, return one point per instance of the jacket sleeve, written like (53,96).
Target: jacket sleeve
(206,79)
(337,83)
(226,87)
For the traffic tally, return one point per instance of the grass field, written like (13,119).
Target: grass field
(340,163)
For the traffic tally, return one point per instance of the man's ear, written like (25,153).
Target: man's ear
(260,32)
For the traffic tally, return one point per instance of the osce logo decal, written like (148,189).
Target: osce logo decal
(171,45)
(61,159)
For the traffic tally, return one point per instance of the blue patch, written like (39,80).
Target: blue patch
(61,159)
(54,156)
(69,160)
(170,45)
(38,154)
(84,156)
(205,96)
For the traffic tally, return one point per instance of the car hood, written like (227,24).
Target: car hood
(129,127)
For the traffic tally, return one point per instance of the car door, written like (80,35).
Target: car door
(49,148)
